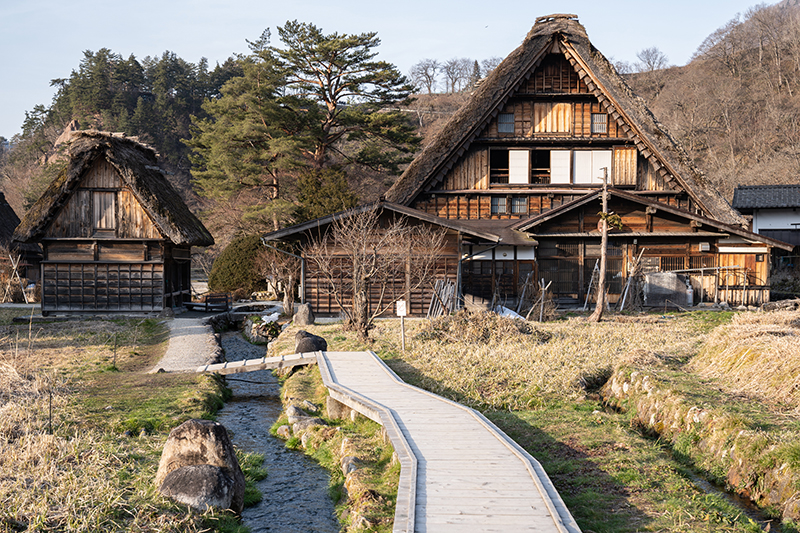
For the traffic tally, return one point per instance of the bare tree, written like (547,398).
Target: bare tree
(424,74)
(282,270)
(362,262)
(457,72)
(651,59)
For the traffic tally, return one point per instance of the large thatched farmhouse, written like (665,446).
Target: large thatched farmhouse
(516,177)
(115,234)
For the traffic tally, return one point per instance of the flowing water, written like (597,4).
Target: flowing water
(296,488)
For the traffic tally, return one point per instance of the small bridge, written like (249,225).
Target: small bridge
(458,471)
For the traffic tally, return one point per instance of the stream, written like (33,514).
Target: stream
(296,488)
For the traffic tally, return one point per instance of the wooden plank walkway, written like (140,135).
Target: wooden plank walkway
(470,477)
(458,471)
(264,363)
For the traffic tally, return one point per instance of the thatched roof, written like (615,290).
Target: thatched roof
(138,167)
(561,34)
(8,223)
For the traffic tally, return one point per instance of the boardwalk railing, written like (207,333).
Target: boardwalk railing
(409,417)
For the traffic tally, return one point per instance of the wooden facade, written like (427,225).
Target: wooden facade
(112,238)
(519,169)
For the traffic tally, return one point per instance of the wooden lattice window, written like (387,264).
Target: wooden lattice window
(505,123)
(599,123)
(499,205)
(519,205)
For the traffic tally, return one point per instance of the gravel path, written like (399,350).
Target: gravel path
(191,344)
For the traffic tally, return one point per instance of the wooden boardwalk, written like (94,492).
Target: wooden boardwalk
(459,472)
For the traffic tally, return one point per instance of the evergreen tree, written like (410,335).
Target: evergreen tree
(339,73)
(322,192)
(254,137)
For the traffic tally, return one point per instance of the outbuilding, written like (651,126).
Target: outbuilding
(115,234)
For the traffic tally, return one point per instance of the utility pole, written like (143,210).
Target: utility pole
(601,284)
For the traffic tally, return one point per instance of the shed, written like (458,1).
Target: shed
(115,234)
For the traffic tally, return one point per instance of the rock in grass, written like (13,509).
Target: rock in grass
(201,487)
(294,414)
(306,423)
(304,316)
(305,342)
(284,432)
(202,442)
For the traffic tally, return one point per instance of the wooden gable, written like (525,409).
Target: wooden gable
(102,206)
(558,132)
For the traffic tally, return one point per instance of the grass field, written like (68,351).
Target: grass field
(538,383)
(82,427)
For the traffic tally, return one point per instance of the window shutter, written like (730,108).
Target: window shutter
(519,166)
(559,166)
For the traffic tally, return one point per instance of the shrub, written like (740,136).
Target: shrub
(235,267)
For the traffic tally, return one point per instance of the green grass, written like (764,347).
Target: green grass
(612,478)
(95,472)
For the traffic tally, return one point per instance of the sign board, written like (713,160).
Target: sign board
(401,308)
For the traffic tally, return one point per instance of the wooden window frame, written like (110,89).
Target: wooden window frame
(504,125)
(519,201)
(499,205)
(599,126)
(96,220)
(498,175)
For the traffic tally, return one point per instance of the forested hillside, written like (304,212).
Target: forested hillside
(736,106)
(264,139)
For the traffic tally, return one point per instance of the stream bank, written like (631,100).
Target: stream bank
(295,491)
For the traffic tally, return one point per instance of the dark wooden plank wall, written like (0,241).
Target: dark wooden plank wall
(102,287)
(318,293)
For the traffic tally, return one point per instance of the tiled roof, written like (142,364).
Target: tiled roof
(766,196)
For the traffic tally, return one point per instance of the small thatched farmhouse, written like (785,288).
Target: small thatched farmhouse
(516,174)
(115,234)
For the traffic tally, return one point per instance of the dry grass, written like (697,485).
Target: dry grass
(75,470)
(758,354)
(486,361)
(514,370)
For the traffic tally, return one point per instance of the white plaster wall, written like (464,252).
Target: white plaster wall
(776,219)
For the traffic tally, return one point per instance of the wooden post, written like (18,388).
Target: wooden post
(401,312)
(601,283)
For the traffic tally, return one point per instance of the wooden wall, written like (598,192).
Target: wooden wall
(74,220)
(82,287)
(318,292)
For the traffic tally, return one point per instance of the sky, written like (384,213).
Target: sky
(43,40)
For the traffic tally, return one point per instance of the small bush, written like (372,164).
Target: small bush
(235,268)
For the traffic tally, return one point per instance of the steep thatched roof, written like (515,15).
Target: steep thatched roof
(8,223)
(138,167)
(562,34)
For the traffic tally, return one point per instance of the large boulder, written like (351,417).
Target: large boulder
(201,487)
(305,342)
(304,316)
(202,442)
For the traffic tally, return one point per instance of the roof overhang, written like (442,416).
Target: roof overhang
(302,231)
(528,225)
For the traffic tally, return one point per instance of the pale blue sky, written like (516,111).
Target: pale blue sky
(45,39)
